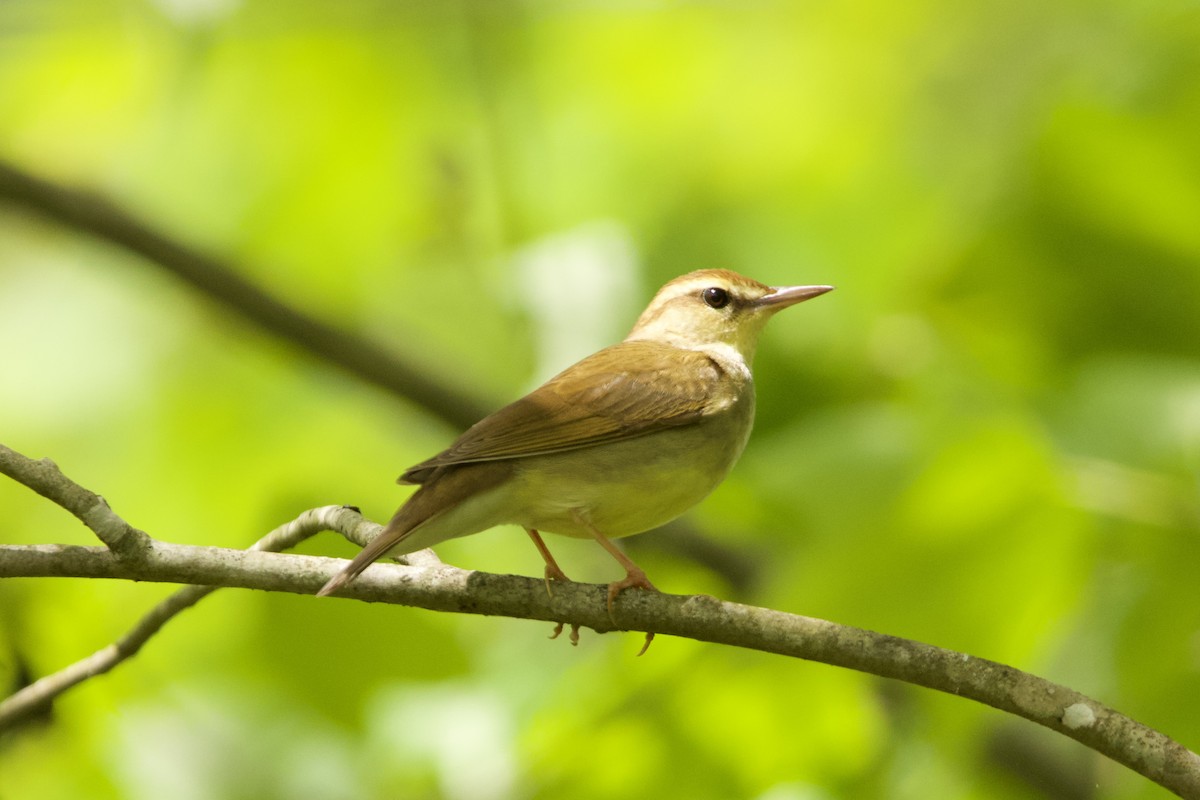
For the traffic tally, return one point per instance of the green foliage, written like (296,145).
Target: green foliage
(988,438)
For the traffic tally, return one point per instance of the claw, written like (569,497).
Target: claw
(634,578)
(553,573)
(573,637)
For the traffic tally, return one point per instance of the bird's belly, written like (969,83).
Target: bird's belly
(623,488)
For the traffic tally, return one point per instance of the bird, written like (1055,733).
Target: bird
(621,442)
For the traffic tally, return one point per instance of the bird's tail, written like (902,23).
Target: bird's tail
(400,526)
(409,529)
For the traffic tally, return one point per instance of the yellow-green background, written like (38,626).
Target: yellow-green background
(988,438)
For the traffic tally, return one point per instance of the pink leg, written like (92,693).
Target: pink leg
(634,575)
(553,571)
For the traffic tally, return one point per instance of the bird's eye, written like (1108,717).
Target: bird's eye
(715,297)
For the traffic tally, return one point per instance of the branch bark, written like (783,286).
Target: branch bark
(438,587)
(30,699)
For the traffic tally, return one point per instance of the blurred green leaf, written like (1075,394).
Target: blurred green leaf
(988,438)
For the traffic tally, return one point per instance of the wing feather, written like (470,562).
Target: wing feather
(623,391)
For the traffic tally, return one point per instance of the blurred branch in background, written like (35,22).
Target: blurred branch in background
(444,588)
(222,282)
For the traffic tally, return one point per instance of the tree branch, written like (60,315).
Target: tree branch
(439,587)
(45,478)
(32,698)
(223,283)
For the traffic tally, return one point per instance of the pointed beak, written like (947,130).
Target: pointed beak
(781,297)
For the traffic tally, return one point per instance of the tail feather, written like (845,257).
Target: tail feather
(444,490)
(388,538)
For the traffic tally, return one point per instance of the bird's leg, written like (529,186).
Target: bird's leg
(634,575)
(553,571)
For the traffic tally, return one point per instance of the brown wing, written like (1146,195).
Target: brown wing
(620,392)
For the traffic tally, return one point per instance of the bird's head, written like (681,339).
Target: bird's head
(711,308)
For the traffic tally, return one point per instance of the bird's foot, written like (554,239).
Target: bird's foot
(554,573)
(635,579)
(573,636)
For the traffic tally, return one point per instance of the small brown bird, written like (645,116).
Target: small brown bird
(623,441)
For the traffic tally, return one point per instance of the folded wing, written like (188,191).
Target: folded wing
(623,391)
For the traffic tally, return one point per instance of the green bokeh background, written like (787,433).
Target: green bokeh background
(987,439)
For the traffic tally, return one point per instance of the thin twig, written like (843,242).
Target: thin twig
(30,699)
(45,478)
